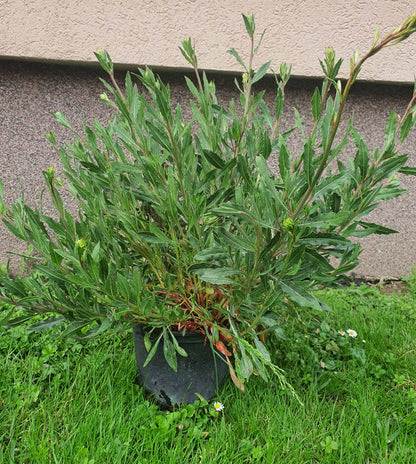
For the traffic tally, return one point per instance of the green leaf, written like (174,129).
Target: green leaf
(152,352)
(307,157)
(178,348)
(187,50)
(95,254)
(327,121)
(387,193)
(261,72)
(234,241)
(299,295)
(249,23)
(326,220)
(103,326)
(169,351)
(406,126)
(279,101)
(147,341)
(361,159)
(263,350)
(284,158)
(46,324)
(334,202)
(73,328)
(324,239)
(18,321)
(260,41)
(216,276)
(237,57)
(390,134)
(389,167)
(214,159)
(231,210)
(407,171)
(210,254)
(269,246)
(371,228)
(330,184)
(16,287)
(192,88)
(243,169)
(105,61)
(60,118)
(316,105)
(1,196)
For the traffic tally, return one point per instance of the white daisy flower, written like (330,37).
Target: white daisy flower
(352,333)
(341,332)
(323,365)
(218,406)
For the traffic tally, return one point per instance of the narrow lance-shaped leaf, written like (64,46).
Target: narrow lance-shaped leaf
(16,322)
(60,118)
(214,159)
(279,101)
(261,72)
(236,380)
(153,350)
(299,295)
(284,158)
(216,276)
(361,159)
(316,105)
(307,157)
(46,324)
(74,327)
(330,184)
(407,125)
(178,348)
(372,228)
(237,57)
(169,351)
(390,140)
(390,167)
(101,327)
(408,171)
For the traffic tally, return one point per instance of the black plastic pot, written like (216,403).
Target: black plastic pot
(200,372)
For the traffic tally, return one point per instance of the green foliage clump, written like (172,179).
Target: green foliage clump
(183,227)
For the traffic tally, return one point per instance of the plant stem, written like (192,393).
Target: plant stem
(394,37)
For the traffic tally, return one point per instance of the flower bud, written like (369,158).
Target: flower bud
(104,98)
(50,172)
(330,57)
(51,138)
(81,244)
(288,224)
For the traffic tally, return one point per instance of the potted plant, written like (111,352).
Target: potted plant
(182,227)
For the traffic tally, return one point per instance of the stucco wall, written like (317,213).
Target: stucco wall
(149,32)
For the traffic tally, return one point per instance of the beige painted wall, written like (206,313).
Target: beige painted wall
(149,32)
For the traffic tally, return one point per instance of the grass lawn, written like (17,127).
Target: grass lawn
(64,402)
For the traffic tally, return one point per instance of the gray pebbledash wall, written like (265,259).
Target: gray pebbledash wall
(31,92)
